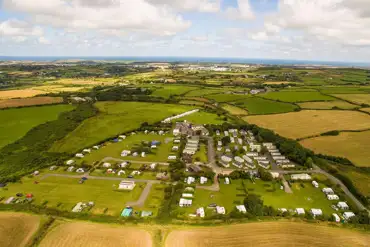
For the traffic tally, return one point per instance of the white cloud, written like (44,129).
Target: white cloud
(133,15)
(190,5)
(199,38)
(43,40)
(242,12)
(14,27)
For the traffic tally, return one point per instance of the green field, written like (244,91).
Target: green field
(327,105)
(202,117)
(64,193)
(115,118)
(202,92)
(114,149)
(226,97)
(201,155)
(256,106)
(17,122)
(167,91)
(297,96)
(344,90)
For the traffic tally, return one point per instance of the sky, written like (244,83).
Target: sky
(327,30)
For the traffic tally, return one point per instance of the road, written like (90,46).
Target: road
(106,159)
(141,201)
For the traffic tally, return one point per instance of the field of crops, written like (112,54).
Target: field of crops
(366,109)
(234,110)
(169,90)
(76,234)
(297,96)
(311,122)
(344,90)
(86,82)
(20,120)
(202,92)
(265,234)
(16,229)
(9,103)
(226,97)
(115,118)
(20,93)
(351,145)
(355,98)
(258,106)
(327,105)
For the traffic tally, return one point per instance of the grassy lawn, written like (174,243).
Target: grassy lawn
(64,193)
(297,96)
(201,155)
(154,199)
(114,149)
(115,118)
(256,106)
(202,117)
(20,121)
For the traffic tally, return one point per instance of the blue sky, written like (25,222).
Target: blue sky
(335,30)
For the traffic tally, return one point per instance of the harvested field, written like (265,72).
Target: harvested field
(366,109)
(297,96)
(58,88)
(8,103)
(355,98)
(267,234)
(351,145)
(92,81)
(20,93)
(95,235)
(327,105)
(234,110)
(311,122)
(16,229)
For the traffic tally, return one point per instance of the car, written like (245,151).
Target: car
(130,176)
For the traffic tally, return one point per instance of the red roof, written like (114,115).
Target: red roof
(29,195)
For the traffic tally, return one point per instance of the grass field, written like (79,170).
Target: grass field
(17,229)
(258,106)
(59,88)
(115,118)
(327,105)
(19,121)
(234,110)
(351,145)
(344,90)
(202,117)
(75,234)
(169,90)
(9,103)
(226,97)
(191,102)
(201,155)
(63,193)
(311,122)
(297,96)
(20,93)
(355,98)
(202,92)
(86,82)
(266,234)
(114,149)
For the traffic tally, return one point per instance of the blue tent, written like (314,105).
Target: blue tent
(155,143)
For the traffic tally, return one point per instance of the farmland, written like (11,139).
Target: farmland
(310,122)
(166,91)
(17,229)
(366,109)
(202,117)
(267,234)
(226,97)
(73,234)
(355,98)
(297,96)
(351,145)
(9,103)
(20,93)
(260,106)
(115,118)
(234,110)
(326,105)
(202,92)
(20,121)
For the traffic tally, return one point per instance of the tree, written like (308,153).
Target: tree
(264,150)
(225,140)
(254,204)
(265,175)
(309,162)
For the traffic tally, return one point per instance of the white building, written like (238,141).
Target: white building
(121,172)
(241,208)
(342,205)
(153,166)
(175,148)
(200,212)
(78,208)
(126,185)
(252,154)
(96,147)
(172,157)
(300,211)
(275,174)
(302,176)
(80,170)
(247,159)
(316,212)
(336,218)
(79,155)
(70,162)
(71,168)
(123,164)
(203,180)
(348,215)
(255,147)
(315,184)
(187,195)
(185,202)
(86,150)
(125,153)
(220,210)
(176,132)
(332,197)
(328,191)
(189,180)
(106,164)
(122,137)
(227,180)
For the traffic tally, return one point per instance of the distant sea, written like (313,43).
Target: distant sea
(194,60)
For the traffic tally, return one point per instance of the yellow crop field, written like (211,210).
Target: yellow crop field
(97,235)
(311,122)
(277,82)
(266,234)
(327,105)
(58,88)
(234,110)
(355,98)
(8,103)
(366,109)
(86,82)
(20,93)
(16,229)
(351,145)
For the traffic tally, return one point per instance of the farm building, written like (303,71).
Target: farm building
(70,162)
(241,208)
(106,165)
(126,185)
(315,184)
(79,155)
(328,191)
(348,215)
(220,210)
(227,180)
(127,212)
(342,205)
(200,212)
(300,211)
(203,180)
(302,176)
(316,212)
(185,202)
(332,197)
(336,218)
